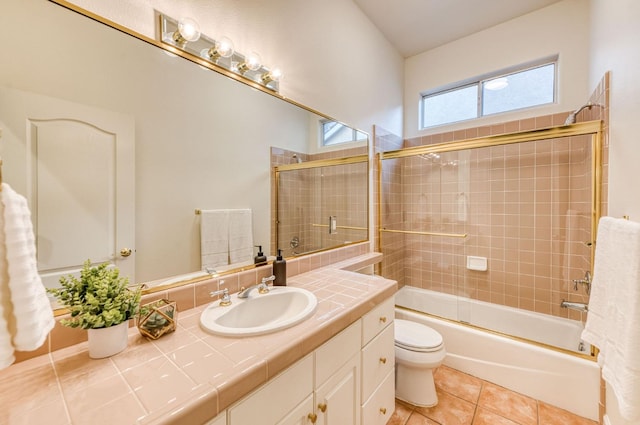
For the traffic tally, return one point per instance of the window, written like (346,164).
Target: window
(334,133)
(523,87)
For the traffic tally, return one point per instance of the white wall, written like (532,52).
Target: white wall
(615,31)
(335,61)
(562,28)
(614,47)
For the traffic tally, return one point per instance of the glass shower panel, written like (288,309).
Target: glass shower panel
(524,209)
(424,218)
(309,197)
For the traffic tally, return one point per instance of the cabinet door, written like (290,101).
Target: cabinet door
(277,398)
(337,400)
(299,415)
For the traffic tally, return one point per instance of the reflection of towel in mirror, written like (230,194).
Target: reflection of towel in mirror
(26,312)
(614,310)
(240,236)
(214,238)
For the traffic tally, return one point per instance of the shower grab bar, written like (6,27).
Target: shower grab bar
(340,227)
(413,232)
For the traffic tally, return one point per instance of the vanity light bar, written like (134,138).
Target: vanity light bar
(220,52)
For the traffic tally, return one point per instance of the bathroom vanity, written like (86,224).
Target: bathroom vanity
(347,380)
(336,364)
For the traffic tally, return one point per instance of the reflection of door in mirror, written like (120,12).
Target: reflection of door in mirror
(75,165)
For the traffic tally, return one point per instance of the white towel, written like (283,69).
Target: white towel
(613,321)
(240,236)
(6,311)
(214,238)
(27,312)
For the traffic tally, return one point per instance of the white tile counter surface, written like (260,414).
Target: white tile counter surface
(184,377)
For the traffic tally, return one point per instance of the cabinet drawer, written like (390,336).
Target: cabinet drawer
(377,319)
(380,406)
(378,359)
(276,398)
(337,351)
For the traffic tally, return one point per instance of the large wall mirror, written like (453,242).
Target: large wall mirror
(88,109)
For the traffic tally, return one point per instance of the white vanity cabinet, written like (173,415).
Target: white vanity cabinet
(349,380)
(337,374)
(277,400)
(378,365)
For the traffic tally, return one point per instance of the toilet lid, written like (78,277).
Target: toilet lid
(416,336)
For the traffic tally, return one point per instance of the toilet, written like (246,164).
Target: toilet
(419,350)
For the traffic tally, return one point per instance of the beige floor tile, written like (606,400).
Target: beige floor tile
(450,410)
(486,417)
(509,404)
(417,419)
(460,384)
(466,400)
(401,414)
(551,415)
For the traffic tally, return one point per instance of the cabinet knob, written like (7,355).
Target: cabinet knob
(312,417)
(125,252)
(383,410)
(322,407)
(383,319)
(383,360)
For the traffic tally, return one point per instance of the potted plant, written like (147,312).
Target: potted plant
(102,302)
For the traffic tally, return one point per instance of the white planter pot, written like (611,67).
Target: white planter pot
(105,342)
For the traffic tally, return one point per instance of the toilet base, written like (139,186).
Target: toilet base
(416,386)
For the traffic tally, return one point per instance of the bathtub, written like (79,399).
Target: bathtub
(565,380)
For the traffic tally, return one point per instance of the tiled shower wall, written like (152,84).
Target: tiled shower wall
(307,198)
(525,207)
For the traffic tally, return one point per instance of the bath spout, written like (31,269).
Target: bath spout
(582,307)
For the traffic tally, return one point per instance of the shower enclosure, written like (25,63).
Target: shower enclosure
(508,220)
(321,204)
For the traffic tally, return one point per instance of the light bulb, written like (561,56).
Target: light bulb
(251,62)
(221,49)
(225,47)
(188,30)
(273,75)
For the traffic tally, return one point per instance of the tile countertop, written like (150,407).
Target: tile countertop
(189,375)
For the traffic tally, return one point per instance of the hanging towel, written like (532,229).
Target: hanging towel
(27,312)
(613,321)
(240,236)
(214,238)
(6,311)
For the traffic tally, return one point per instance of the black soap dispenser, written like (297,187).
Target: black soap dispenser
(280,270)
(260,258)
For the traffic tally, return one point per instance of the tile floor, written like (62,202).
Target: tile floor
(466,400)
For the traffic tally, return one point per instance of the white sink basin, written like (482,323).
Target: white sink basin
(282,307)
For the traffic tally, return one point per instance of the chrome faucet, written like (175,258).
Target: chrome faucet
(226,299)
(263,287)
(582,307)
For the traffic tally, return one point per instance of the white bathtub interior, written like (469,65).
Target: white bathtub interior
(568,381)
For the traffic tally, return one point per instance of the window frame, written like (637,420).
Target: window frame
(354,131)
(479,81)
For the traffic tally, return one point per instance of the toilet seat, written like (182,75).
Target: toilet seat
(416,337)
